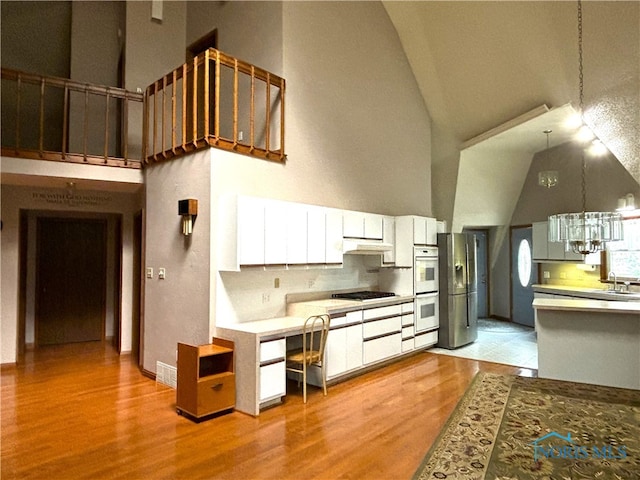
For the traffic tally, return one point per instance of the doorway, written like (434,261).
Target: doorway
(523,276)
(70,293)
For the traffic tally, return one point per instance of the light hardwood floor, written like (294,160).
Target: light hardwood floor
(81,411)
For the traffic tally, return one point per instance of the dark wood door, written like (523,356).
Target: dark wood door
(70,280)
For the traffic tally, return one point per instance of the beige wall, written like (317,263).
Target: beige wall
(176,308)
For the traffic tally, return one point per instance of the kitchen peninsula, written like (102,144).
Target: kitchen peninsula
(589,341)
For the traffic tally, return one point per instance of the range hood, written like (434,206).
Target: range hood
(363,246)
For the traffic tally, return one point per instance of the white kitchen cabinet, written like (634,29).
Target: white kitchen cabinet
(273,381)
(426,339)
(389,236)
(334,235)
(412,230)
(275,232)
(544,250)
(250,219)
(362,225)
(381,333)
(317,235)
(297,233)
(273,378)
(256,231)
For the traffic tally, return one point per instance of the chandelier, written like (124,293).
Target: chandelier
(584,232)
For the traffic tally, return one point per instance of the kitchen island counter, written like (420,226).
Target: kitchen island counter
(589,341)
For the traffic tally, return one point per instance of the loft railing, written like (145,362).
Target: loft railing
(215,101)
(52,118)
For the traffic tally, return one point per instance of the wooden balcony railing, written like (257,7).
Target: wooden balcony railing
(53,118)
(215,101)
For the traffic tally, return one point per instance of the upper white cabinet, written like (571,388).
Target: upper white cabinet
(256,231)
(544,250)
(389,236)
(413,230)
(297,234)
(362,225)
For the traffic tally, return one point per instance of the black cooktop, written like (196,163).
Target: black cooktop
(362,296)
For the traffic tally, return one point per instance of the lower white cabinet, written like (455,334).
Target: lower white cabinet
(273,378)
(380,348)
(426,339)
(273,381)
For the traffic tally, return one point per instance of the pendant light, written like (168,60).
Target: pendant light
(548,178)
(585,232)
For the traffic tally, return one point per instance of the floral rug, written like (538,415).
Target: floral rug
(508,427)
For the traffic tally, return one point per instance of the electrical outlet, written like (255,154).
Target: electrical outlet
(546,274)
(276,282)
(266,298)
(311,283)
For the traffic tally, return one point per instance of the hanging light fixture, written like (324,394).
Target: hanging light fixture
(548,178)
(584,232)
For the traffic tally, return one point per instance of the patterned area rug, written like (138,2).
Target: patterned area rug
(508,427)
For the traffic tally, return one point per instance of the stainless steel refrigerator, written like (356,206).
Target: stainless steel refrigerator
(457,290)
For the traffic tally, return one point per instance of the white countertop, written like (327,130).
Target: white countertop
(269,326)
(586,305)
(595,293)
(334,306)
(299,311)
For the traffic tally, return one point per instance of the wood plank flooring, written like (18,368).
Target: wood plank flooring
(82,411)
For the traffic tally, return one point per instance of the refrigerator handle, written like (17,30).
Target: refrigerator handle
(466,278)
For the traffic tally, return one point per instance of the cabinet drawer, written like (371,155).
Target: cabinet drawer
(273,350)
(407,332)
(407,345)
(426,339)
(380,312)
(215,394)
(407,320)
(273,381)
(381,348)
(406,308)
(380,327)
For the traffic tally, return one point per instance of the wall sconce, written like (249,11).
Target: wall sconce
(548,178)
(188,210)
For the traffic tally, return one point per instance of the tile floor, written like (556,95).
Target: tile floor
(500,342)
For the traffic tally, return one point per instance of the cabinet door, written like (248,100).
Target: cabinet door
(275,233)
(317,235)
(353,224)
(336,352)
(432,231)
(251,217)
(373,226)
(354,347)
(334,236)
(273,381)
(389,236)
(419,230)
(296,218)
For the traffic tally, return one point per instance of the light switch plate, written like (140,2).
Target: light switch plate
(162,273)
(149,272)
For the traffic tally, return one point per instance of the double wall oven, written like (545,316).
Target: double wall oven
(425,283)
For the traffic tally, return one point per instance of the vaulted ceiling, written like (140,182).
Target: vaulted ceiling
(480,64)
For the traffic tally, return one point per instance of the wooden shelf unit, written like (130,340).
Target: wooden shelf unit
(206,378)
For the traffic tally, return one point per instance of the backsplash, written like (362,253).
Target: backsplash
(258,293)
(568,274)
